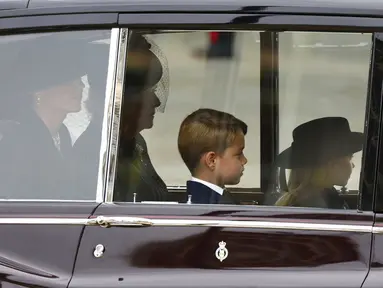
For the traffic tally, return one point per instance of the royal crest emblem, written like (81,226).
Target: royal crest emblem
(221,253)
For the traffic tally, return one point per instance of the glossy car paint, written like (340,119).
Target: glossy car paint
(44,256)
(39,255)
(182,256)
(302,7)
(13,4)
(349,7)
(375,275)
(374,279)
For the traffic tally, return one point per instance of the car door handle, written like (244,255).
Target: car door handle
(106,222)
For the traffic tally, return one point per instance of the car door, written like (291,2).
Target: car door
(39,241)
(273,76)
(44,202)
(373,279)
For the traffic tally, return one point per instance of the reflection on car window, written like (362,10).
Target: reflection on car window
(212,79)
(321,90)
(320,157)
(51,93)
(146,80)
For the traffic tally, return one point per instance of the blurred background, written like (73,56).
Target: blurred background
(321,74)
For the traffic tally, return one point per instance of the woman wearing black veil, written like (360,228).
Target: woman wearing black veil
(145,78)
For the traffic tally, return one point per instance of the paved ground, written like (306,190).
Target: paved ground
(320,75)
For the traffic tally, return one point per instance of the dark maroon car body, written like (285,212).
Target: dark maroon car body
(52,244)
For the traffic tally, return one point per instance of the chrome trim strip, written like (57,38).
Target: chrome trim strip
(107,121)
(174,187)
(107,222)
(132,221)
(127,221)
(48,200)
(115,115)
(46,221)
(377,230)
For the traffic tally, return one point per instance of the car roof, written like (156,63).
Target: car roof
(357,4)
(343,7)
(13,4)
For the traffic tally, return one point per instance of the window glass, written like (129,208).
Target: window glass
(197,75)
(191,117)
(223,76)
(52,96)
(324,75)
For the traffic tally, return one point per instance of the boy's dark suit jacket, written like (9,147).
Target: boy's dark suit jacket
(202,194)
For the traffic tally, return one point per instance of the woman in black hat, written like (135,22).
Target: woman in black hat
(42,85)
(320,158)
(135,172)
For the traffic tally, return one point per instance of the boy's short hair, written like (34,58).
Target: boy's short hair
(207,130)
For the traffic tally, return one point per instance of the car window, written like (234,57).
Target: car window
(52,96)
(324,75)
(191,118)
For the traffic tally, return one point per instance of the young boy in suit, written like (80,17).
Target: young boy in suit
(211,144)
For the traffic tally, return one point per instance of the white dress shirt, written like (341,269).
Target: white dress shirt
(212,186)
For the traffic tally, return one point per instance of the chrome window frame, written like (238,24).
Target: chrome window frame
(115,115)
(107,125)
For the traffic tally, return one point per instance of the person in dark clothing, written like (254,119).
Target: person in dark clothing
(88,144)
(320,158)
(42,87)
(136,174)
(211,144)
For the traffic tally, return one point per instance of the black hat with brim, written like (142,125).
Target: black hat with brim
(142,74)
(319,141)
(42,63)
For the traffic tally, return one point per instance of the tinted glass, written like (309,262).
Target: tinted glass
(191,114)
(189,77)
(325,75)
(224,77)
(52,96)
